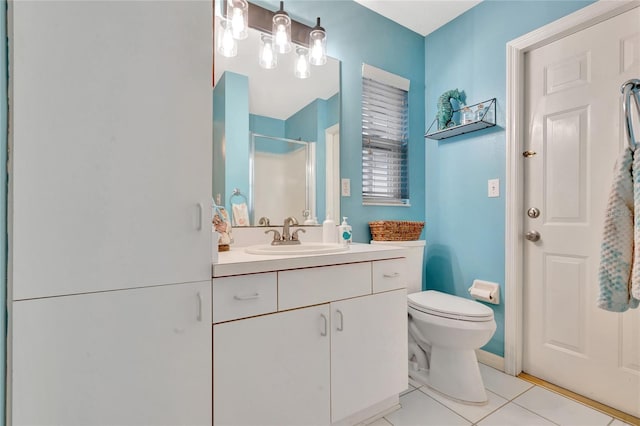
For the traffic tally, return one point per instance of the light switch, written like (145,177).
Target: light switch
(494,188)
(346,187)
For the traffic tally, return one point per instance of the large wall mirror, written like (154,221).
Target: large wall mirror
(276,137)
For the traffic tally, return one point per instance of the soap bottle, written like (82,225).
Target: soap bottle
(328,230)
(344,232)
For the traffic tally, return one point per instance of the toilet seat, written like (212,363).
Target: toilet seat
(448,306)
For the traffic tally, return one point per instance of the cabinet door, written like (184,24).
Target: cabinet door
(128,357)
(273,369)
(368,351)
(111,145)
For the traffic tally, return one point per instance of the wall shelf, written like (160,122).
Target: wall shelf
(488,119)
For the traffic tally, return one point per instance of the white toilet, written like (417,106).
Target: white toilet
(444,332)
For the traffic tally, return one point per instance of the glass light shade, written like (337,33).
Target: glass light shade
(226,45)
(282,30)
(302,63)
(318,45)
(238,15)
(268,57)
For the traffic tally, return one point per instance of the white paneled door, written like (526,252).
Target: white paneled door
(574,126)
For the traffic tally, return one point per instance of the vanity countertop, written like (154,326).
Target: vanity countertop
(237,261)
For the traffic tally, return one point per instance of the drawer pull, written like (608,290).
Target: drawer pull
(324,324)
(341,326)
(248,297)
(392,275)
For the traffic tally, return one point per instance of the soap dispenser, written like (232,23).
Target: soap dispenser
(344,232)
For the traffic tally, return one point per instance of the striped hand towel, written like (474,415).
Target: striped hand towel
(635,270)
(617,250)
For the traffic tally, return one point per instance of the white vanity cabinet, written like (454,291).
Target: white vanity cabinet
(368,351)
(331,347)
(273,369)
(126,357)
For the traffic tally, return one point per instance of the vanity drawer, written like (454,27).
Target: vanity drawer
(244,296)
(389,274)
(311,286)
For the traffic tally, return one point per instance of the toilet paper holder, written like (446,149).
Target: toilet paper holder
(485,291)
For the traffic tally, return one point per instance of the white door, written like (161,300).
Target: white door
(573,108)
(368,351)
(110,133)
(127,357)
(273,369)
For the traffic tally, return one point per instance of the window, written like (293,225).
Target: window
(385,137)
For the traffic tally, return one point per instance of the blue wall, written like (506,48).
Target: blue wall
(465,229)
(230,135)
(267,126)
(357,35)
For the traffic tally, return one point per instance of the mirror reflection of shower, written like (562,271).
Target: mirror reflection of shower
(282,179)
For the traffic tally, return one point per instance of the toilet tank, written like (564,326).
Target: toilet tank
(415,261)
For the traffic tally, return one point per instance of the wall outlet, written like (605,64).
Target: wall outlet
(494,188)
(346,187)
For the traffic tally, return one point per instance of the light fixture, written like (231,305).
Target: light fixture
(302,69)
(268,57)
(282,30)
(226,45)
(318,45)
(238,14)
(279,34)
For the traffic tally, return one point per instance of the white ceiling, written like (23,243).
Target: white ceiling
(421,16)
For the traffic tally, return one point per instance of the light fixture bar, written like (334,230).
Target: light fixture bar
(261,19)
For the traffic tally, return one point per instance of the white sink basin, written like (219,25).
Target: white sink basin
(304,248)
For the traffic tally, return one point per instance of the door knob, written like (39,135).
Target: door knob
(532,236)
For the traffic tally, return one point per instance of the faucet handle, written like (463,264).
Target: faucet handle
(294,236)
(276,236)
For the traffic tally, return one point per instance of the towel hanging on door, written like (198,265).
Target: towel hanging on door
(617,269)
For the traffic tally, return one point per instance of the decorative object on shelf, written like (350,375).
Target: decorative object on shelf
(280,33)
(221,223)
(395,230)
(479,117)
(445,108)
(467,116)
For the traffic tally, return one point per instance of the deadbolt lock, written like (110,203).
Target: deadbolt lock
(533,213)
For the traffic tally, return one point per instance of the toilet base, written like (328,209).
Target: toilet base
(454,374)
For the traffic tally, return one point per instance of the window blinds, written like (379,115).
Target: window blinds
(385,137)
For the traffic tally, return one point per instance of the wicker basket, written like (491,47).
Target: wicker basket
(395,230)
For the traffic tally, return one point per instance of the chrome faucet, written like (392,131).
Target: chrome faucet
(287,237)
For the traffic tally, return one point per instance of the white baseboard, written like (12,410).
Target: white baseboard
(371,414)
(492,360)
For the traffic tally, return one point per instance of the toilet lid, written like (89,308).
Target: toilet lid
(449,306)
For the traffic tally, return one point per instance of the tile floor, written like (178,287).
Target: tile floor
(512,402)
